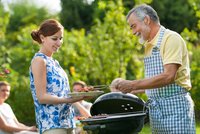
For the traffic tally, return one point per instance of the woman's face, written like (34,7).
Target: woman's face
(52,43)
(4,92)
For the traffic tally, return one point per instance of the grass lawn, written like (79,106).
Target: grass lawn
(198,127)
(146,129)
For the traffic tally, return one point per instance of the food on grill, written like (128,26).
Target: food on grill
(81,118)
(99,116)
(82,94)
(90,88)
(86,89)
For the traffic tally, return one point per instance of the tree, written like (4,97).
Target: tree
(193,44)
(175,15)
(4,60)
(102,54)
(23,13)
(76,14)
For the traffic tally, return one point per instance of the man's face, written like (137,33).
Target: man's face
(139,28)
(4,92)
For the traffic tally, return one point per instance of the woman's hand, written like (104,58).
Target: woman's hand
(32,128)
(76,99)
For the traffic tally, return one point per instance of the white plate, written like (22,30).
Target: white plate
(82,94)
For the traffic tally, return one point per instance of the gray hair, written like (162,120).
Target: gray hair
(142,10)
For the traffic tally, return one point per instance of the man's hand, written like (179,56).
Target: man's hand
(114,84)
(119,84)
(125,86)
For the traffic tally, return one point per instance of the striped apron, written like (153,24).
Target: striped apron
(171,109)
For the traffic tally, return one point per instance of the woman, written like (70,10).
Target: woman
(8,121)
(49,82)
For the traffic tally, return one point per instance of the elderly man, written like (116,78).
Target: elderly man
(167,73)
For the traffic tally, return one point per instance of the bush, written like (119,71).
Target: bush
(195,77)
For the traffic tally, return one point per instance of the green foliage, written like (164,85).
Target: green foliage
(192,39)
(4,60)
(23,50)
(196,7)
(147,130)
(23,12)
(195,77)
(172,14)
(143,1)
(76,14)
(103,54)
(4,20)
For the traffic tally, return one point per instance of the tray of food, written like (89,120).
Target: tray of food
(82,94)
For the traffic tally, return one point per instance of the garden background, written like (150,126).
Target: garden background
(98,43)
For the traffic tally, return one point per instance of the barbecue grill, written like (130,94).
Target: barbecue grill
(116,113)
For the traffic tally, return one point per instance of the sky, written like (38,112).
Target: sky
(52,5)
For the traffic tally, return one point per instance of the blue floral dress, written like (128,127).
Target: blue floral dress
(49,116)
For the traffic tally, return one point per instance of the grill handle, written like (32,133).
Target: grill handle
(94,127)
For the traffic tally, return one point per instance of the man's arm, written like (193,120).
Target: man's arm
(163,79)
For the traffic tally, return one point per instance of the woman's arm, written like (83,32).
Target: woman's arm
(39,73)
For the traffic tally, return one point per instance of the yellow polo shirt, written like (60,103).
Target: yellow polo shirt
(173,49)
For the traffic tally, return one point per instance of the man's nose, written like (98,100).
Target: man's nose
(134,32)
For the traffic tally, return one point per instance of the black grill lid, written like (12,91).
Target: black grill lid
(117,102)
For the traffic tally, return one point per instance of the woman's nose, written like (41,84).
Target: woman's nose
(59,42)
